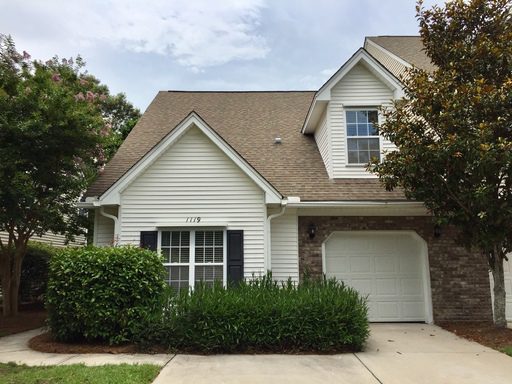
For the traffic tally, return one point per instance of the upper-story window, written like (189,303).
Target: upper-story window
(362,138)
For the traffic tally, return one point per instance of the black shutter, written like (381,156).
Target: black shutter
(149,240)
(235,254)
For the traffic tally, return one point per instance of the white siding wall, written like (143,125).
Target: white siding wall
(104,227)
(195,178)
(323,140)
(358,88)
(285,246)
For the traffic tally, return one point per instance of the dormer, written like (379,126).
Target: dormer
(344,112)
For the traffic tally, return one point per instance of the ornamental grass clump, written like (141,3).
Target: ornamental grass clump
(103,294)
(262,315)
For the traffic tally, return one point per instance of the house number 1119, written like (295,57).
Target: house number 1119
(193,219)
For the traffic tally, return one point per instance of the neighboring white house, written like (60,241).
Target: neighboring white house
(54,239)
(229,185)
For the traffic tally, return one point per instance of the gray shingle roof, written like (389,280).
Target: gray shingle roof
(249,122)
(408,48)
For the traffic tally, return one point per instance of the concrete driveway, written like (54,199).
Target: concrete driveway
(395,353)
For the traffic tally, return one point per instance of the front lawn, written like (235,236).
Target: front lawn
(507,350)
(78,374)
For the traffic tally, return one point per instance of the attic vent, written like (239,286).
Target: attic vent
(277,140)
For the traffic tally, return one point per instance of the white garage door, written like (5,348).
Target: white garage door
(389,267)
(507,266)
(507,269)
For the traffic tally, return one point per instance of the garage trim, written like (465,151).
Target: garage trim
(425,267)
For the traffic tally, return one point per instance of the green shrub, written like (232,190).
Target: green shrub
(103,294)
(262,315)
(34,272)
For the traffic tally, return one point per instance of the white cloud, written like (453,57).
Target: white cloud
(328,72)
(197,34)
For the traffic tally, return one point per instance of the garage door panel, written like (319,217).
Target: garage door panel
(386,267)
(361,263)
(387,310)
(363,286)
(338,263)
(386,264)
(412,286)
(386,287)
(408,263)
(410,310)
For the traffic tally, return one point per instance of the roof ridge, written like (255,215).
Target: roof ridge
(286,91)
(393,36)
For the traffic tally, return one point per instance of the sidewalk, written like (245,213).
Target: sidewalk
(394,354)
(14,348)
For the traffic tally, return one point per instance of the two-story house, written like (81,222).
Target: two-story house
(227,185)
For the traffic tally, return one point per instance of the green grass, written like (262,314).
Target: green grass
(507,350)
(78,374)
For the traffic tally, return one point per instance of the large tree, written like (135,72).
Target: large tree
(453,129)
(58,126)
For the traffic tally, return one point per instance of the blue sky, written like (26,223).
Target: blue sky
(141,47)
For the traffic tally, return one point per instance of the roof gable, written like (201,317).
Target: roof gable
(112,195)
(323,96)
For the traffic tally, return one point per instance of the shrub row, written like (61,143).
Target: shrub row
(103,294)
(119,294)
(262,315)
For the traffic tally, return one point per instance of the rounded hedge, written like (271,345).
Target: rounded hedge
(103,294)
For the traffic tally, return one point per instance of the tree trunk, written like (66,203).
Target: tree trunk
(496,264)
(12,260)
(6,286)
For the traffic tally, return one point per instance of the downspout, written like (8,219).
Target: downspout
(116,224)
(284,202)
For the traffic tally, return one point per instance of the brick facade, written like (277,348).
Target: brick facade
(458,278)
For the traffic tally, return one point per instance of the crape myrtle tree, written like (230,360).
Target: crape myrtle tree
(57,129)
(453,129)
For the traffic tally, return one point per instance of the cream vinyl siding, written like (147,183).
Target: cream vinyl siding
(394,66)
(194,178)
(50,238)
(285,246)
(359,89)
(322,138)
(104,227)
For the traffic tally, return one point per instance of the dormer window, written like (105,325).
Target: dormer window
(362,138)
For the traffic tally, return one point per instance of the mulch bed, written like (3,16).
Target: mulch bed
(29,317)
(45,343)
(484,333)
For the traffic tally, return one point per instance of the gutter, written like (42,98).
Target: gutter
(116,224)
(284,203)
(356,204)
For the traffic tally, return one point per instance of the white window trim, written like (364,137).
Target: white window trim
(192,252)
(378,137)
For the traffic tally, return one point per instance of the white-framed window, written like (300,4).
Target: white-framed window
(192,256)
(363,142)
